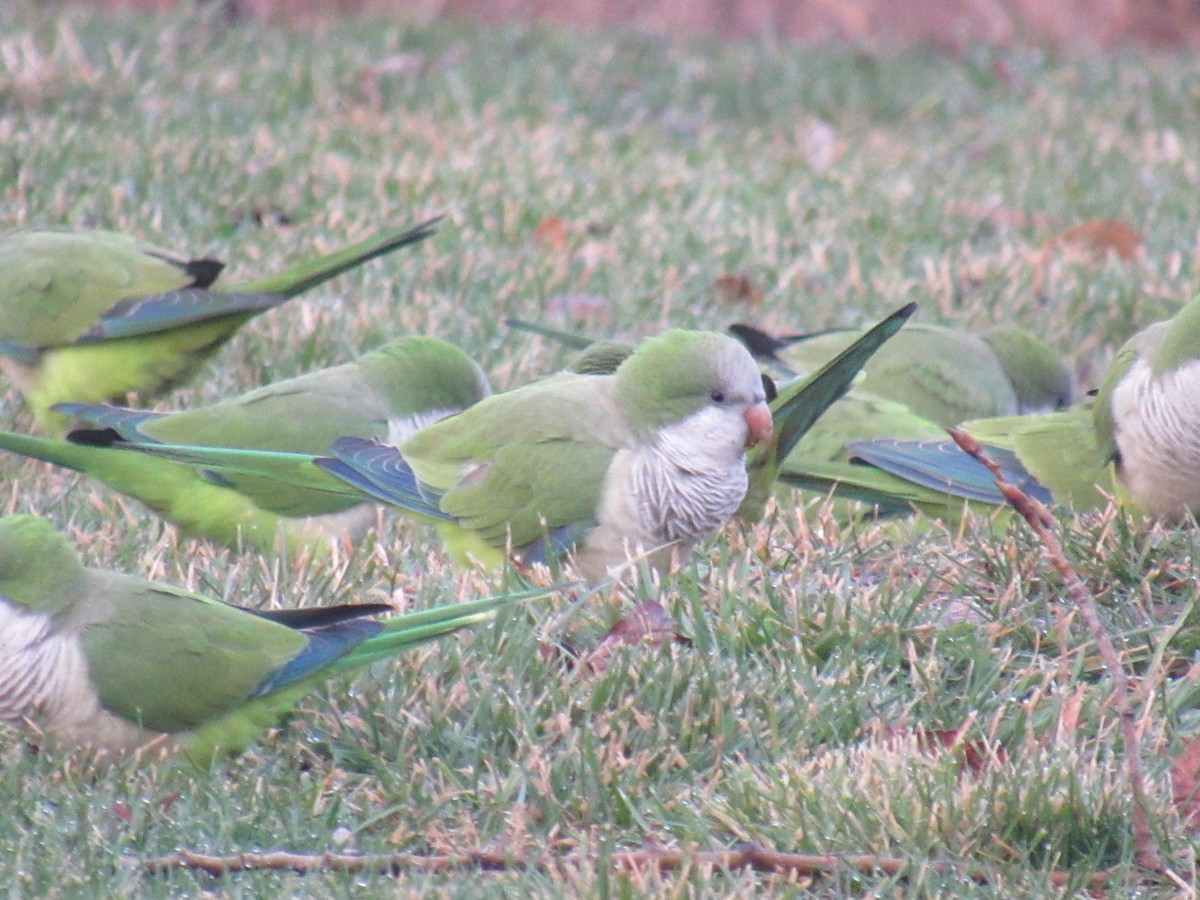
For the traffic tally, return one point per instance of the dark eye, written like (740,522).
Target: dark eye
(717,396)
(769,387)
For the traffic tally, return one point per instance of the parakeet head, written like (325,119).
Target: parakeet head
(1040,378)
(39,570)
(681,375)
(417,373)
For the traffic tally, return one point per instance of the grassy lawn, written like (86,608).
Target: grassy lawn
(829,662)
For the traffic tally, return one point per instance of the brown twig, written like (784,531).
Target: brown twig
(1042,523)
(757,858)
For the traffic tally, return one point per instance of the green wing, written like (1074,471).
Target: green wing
(93,316)
(1052,456)
(171,660)
(942,374)
(525,461)
(57,286)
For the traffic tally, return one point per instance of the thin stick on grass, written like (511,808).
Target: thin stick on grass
(1040,520)
(756,858)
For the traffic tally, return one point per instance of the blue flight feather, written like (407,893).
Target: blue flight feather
(137,316)
(943,466)
(379,471)
(24,355)
(324,646)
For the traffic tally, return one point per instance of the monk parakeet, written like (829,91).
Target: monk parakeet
(1138,440)
(649,455)
(91,316)
(653,491)
(113,662)
(390,394)
(945,375)
(803,452)
(650,458)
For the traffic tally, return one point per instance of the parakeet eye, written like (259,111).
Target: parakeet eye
(717,396)
(769,387)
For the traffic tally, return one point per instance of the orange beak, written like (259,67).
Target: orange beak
(758,424)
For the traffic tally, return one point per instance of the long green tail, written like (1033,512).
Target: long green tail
(303,276)
(410,629)
(799,406)
(234,732)
(60,453)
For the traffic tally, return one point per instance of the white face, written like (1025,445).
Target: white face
(718,430)
(713,437)
(741,377)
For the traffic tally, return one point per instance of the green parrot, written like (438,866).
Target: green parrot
(1137,441)
(804,453)
(448,472)
(647,450)
(648,459)
(113,662)
(92,316)
(390,394)
(945,375)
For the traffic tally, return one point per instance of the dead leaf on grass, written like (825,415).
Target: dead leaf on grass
(1097,239)
(121,811)
(647,622)
(1090,243)
(551,233)
(736,287)
(1185,782)
(974,755)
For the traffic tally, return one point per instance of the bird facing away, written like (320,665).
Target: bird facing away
(945,375)
(93,316)
(1138,440)
(113,662)
(389,394)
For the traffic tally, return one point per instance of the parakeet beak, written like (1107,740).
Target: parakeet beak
(758,424)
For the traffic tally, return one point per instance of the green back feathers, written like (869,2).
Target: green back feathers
(39,570)
(600,358)
(170,660)
(91,268)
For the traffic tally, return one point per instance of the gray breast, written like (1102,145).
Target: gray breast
(684,505)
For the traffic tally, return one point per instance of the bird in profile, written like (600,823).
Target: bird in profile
(390,394)
(108,661)
(93,316)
